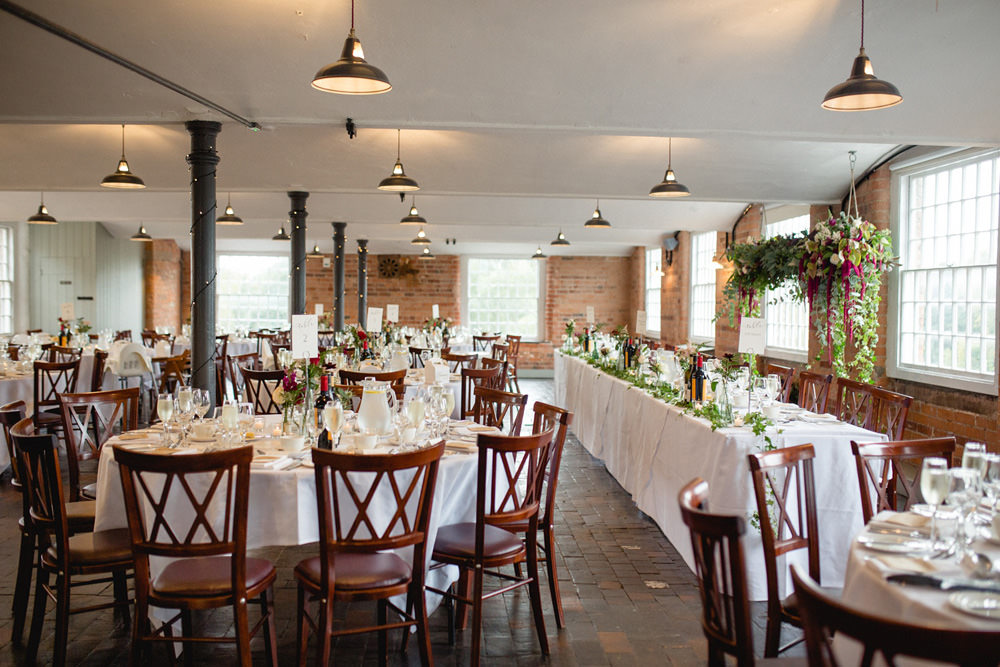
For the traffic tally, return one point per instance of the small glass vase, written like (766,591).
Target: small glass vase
(725,405)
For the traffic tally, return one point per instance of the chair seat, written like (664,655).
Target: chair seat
(360,571)
(208,576)
(47,418)
(104,547)
(80,515)
(459,540)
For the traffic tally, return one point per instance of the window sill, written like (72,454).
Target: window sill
(783,354)
(977,385)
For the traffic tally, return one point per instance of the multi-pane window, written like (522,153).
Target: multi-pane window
(787,320)
(946,315)
(653,283)
(703,248)
(502,295)
(6,280)
(252,291)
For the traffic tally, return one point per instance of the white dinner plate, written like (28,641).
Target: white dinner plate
(981,604)
(894,544)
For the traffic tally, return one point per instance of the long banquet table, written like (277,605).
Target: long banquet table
(653,449)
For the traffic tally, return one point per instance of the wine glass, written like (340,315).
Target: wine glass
(416,410)
(201,402)
(772,387)
(333,420)
(990,479)
(963,493)
(165,407)
(245,418)
(229,418)
(934,484)
(185,403)
(972,454)
(449,398)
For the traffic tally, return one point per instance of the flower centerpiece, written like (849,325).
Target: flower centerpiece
(840,272)
(568,337)
(758,266)
(296,390)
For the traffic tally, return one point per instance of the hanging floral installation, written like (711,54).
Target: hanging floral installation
(758,266)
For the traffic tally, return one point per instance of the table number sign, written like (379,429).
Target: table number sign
(590,314)
(67,311)
(752,335)
(374,320)
(392,312)
(435,311)
(319,309)
(640,322)
(305,340)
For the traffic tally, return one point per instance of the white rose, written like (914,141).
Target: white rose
(278,395)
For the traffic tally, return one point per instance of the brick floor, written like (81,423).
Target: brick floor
(628,597)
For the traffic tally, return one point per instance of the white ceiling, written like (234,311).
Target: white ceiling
(516,115)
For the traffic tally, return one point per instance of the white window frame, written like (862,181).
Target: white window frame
(783,215)
(898,208)
(703,248)
(256,254)
(9,279)
(653,282)
(540,314)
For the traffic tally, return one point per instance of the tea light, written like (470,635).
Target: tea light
(276,432)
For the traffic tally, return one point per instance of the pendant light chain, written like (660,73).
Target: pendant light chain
(862,24)
(352,15)
(853,195)
(210,284)
(123,140)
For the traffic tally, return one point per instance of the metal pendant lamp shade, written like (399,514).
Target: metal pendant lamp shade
(315,251)
(123,178)
(421,238)
(862,91)
(560,239)
(141,235)
(352,74)
(282,235)
(597,220)
(398,181)
(669,187)
(414,217)
(538,253)
(426,254)
(42,217)
(230,217)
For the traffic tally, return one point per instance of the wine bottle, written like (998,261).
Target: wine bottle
(698,378)
(323,440)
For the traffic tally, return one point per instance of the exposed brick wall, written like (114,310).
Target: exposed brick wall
(675,292)
(162,277)
(185,286)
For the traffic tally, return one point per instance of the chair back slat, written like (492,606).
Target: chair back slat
(174,369)
(499,352)
(38,458)
(234,362)
(63,354)
(260,386)
(10,414)
(472,378)
(855,402)
(357,377)
(511,474)
(458,362)
(551,418)
(416,361)
(814,390)
(501,379)
(890,413)
(482,343)
(493,407)
(720,566)
(885,467)
(327,338)
(514,346)
(97,371)
(51,379)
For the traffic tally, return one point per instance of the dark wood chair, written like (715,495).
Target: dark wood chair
(892,471)
(98,369)
(511,494)
(354,561)
(786,373)
(210,568)
(259,387)
(415,360)
(476,377)
(10,414)
(356,390)
(104,554)
(458,362)
(814,390)
(148,337)
(63,354)
(513,351)
(855,402)
(31,332)
(499,352)
(490,362)
(483,343)
(890,413)
(51,379)
(822,617)
(720,567)
(174,370)
(326,338)
(88,421)
(493,407)
(786,475)
(13,352)
(395,378)
(234,362)
(125,334)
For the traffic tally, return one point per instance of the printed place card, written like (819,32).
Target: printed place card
(305,340)
(392,313)
(374,320)
(67,311)
(435,311)
(640,322)
(752,330)
(319,309)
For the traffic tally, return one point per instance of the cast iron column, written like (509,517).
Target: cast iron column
(363,283)
(298,219)
(338,274)
(203,160)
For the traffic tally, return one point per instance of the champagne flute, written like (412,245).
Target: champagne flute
(934,485)
(165,408)
(449,399)
(415,410)
(772,387)
(333,420)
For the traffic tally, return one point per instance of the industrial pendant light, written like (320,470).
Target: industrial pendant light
(315,252)
(862,91)
(426,254)
(123,178)
(141,235)
(352,75)
(282,235)
(669,187)
(597,221)
(538,253)
(560,239)
(230,218)
(398,181)
(42,217)
(414,217)
(421,238)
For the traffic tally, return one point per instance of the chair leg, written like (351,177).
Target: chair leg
(140,627)
(325,628)
(62,620)
(37,615)
(423,629)
(383,634)
(449,603)
(477,614)
(772,639)
(187,630)
(22,589)
(120,586)
(302,628)
(462,608)
(535,591)
(550,564)
(271,636)
(409,610)
(242,622)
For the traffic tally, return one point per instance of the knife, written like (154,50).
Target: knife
(949,584)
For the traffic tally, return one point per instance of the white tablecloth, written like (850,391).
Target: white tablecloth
(17,388)
(653,449)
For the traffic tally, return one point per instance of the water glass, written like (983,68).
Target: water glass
(165,407)
(990,478)
(964,493)
(972,455)
(934,485)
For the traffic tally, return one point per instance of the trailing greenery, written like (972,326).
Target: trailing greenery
(758,266)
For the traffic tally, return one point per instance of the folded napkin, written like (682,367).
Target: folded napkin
(458,445)
(908,519)
(888,563)
(273,462)
(483,429)
(134,435)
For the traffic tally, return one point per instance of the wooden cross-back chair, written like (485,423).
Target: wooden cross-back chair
(504,366)
(786,373)
(89,420)
(148,337)
(415,360)
(209,567)
(720,567)
(814,390)
(51,379)
(472,378)
(514,345)
(494,407)
(67,556)
(354,562)
(883,639)
(174,370)
(500,352)
(855,402)
(97,370)
(457,362)
(327,338)
(890,413)
(892,471)
(259,386)
(785,476)
(125,334)
(13,351)
(10,414)
(509,488)
(234,363)
(356,391)
(395,378)
(63,354)
(482,343)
